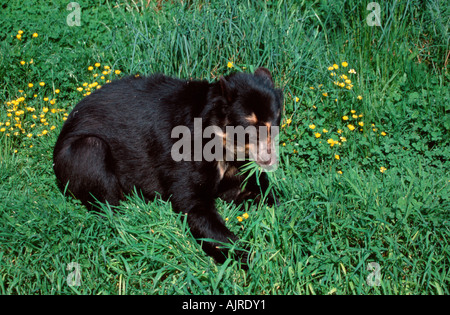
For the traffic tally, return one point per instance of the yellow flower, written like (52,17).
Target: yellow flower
(22,62)
(383,169)
(339,172)
(335,66)
(337,157)
(284,144)
(332,142)
(29,135)
(41,83)
(312,126)
(45,109)
(343,139)
(79,89)
(344,117)
(296,99)
(20,32)
(44,132)
(3,130)
(348,81)
(45,99)
(35,35)
(52,102)
(18,36)
(352,71)
(344,64)
(107,67)
(359,97)
(97,64)
(245,215)
(90,68)
(288,121)
(339,131)
(351,127)
(230,64)
(355,116)
(383,133)
(117,72)
(361,123)
(331,68)
(353,111)
(317,135)
(57,91)
(30,85)
(311,87)
(324,130)
(325,94)
(239,218)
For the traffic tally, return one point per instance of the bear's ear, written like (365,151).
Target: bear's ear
(264,73)
(226,88)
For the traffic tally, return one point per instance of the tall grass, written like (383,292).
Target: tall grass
(335,216)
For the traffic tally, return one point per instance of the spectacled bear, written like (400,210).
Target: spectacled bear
(120,138)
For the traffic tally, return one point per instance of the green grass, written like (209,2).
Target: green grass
(335,215)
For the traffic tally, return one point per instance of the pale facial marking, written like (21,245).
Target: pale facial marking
(252,119)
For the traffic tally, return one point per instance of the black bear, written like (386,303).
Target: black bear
(126,136)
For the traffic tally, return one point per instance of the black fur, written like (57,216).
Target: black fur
(119,138)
